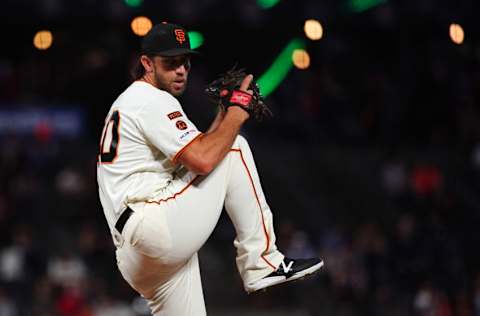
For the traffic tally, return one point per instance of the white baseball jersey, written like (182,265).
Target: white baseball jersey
(145,131)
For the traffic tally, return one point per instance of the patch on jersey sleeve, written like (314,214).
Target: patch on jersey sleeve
(185,134)
(174,115)
(181,125)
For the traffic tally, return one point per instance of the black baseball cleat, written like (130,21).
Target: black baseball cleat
(289,270)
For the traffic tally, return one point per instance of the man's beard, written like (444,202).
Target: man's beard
(163,86)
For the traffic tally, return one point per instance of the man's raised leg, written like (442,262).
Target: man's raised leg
(259,262)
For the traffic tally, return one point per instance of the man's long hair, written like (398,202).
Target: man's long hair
(137,70)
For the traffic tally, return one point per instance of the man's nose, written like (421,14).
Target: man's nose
(181,69)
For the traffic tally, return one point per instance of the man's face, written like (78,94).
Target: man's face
(171,73)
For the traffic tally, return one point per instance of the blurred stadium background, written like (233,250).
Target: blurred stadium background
(371,161)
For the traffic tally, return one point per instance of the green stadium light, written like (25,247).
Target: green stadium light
(196,39)
(267,4)
(133,3)
(363,5)
(279,69)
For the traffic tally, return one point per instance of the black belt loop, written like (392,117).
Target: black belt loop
(122,220)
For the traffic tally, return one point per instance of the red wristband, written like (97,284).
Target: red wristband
(240,97)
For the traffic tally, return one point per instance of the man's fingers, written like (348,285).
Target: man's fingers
(246,82)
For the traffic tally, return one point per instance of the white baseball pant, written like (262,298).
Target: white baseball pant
(157,250)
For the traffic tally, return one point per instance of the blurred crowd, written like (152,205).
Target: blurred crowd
(372,161)
(398,236)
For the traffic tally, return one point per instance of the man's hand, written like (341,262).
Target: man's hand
(229,90)
(238,110)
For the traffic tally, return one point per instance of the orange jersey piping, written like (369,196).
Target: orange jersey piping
(259,206)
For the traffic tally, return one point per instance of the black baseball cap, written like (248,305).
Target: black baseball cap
(166,39)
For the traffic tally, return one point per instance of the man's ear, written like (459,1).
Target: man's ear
(147,63)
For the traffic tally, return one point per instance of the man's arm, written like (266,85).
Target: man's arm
(218,118)
(206,152)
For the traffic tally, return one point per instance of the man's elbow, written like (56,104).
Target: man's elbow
(201,166)
(205,167)
(197,161)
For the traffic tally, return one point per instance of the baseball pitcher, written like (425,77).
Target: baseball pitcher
(163,183)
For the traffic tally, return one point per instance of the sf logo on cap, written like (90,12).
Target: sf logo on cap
(180,35)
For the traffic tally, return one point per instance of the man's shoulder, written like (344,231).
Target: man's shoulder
(144,93)
(141,100)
